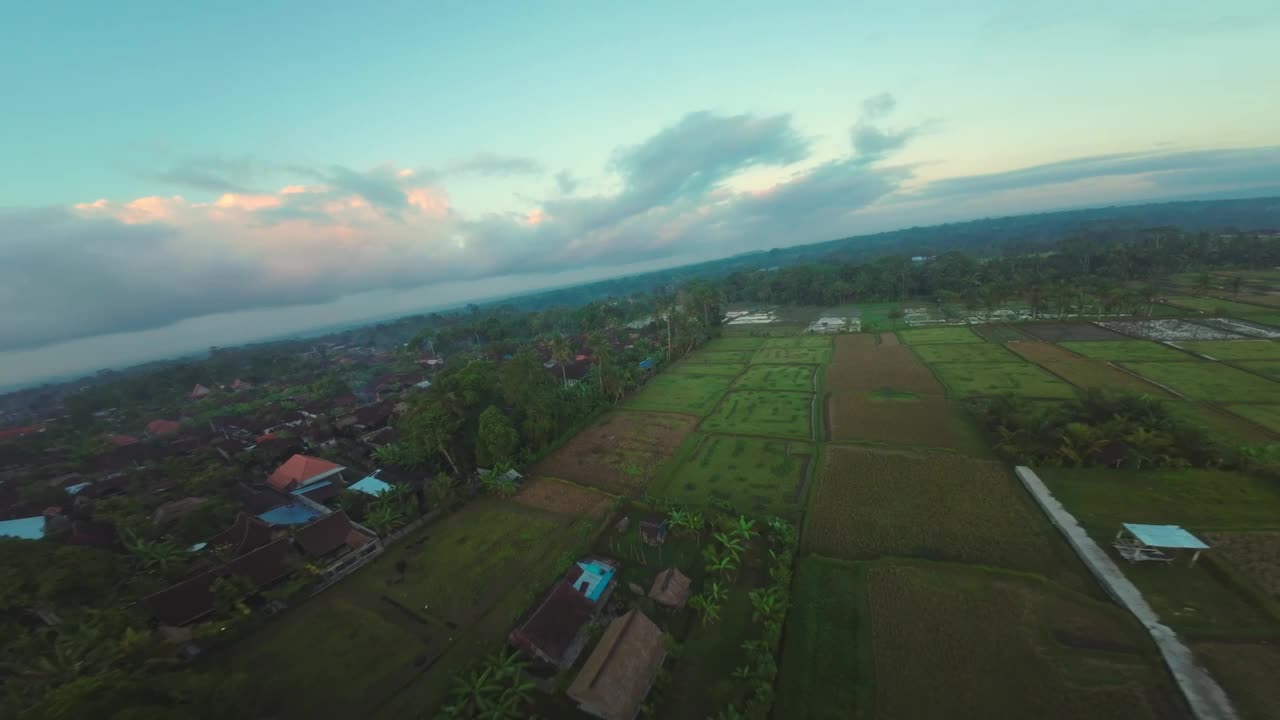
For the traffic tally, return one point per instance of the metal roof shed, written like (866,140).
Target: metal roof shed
(1143,539)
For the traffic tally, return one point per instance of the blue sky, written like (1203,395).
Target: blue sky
(207,174)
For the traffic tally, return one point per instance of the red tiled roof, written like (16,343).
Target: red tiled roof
(297,470)
(163,427)
(198,391)
(122,440)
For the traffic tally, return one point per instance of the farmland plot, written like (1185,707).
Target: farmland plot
(563,497)
(1000,334)
(734,343)
(989,644)
(1224,426)
(792,356)
(698,368)
(1244,327)
(965,352)
(799,341)
(621,453)
(726,357)
(796,378)
(929,336)
(755,476)
(1084,372)
(1265,368)
(681,392)
(758,412)
(981,379)
(1170,329)
(872,503)
(1071,332)
(1216,306)
(1236,349)
(1213,382)
(1126,350)
(1247,671)
(902,419)
(1254,556)
(861,366)
(1267,416)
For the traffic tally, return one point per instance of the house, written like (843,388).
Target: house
(198,392)
(370,485)
(620,671)
(301,470)
(177,509)
(322,491)
(245,534)
(193,599)
(294,513)
(163,427)
(670,588)
(554,631)
(337,544)
(239,385)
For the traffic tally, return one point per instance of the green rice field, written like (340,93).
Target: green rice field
(759,412)
(1236,349)
(681,392)
(1208,381)
(1019,378)
(792,355)
(756,476)
(1128,350)
(776,377)
(1267,416)
(965,353)
(929,336)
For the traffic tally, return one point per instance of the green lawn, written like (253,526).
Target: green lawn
(826,669)
(980,379)
(762,412)
(1128,350)
(759,477)
(965,352)
(1267,416)
(929,336)
(776,377)
(1236,349)
(792,355)
(681,392)
(1211,382)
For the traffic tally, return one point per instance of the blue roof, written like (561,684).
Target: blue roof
(370,486)
(290,515)
(1165,536)
(31,528)
(73,489)
(646,363)
(595,578)
(312,486)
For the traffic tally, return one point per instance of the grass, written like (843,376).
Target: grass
(979,379)
(1266,368)
(965,352)
(1247,672)
(733,343)
(792,355)
(826,669)
(938,506)
(1267,416)
(752,475)
(725,357)
(799,341)
(797,378)
(1223,426)
(370,639)
(697,368)
(929,336)
(1128,351)
(1209,381)
(986,644)
(681,392)
(1236,349)
(760,412)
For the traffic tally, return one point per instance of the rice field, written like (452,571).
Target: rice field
(1266,368)
(724,357)
(729,344)
(620,453)
(929,336)
(860,366)
(1267,416)
(1236,349)
(1168,329)
(759,412)
(965,353)
(901,419)
(1128,350)
(795,378)
(681,392)
(1000,334)
(1084,372)
(755,476)
(799,341)
(1216,306)
(1070,332)
(966,380)
(792,355)
(1210,382)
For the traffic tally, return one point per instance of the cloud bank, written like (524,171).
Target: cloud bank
(109,266)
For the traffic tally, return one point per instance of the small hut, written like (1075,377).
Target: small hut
(670,588)
(1137,543)
(653,533)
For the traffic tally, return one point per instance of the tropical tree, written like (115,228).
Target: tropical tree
(496,438)
(161,558)
(561,354)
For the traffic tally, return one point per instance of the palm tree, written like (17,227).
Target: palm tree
(381,518)
(561,353)
(157,558)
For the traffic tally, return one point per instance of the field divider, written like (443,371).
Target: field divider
(1144,378)
(1205,697)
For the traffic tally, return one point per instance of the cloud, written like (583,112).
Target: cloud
(212,174)
(490,165)
(566,182)
(872,142)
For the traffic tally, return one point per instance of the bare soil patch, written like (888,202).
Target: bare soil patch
(860,366)
(621,454)
(1062,332)
(916,421)
(562,497)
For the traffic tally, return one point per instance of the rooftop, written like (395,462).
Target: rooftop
(1165,536)
(302,470)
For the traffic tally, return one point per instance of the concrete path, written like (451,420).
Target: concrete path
(1204,695)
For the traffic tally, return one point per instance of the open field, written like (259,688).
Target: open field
(621,453)
(372,637)
(681,392)
(1170,329)
(1224,426)
(1000,334)
(988,644)
(1070,332)
(1247,671)
(1265,368)
(1216,306)
(733,343)
(902,420)
(860,366)
(1083,372)
(1129,350)
(799,341)
(965,352)
(797,378)
(724,357)
(826,669)
(563,497)
(756,476)
(939,506)
(792,355)
(980,379)
(1236,349)
(706,368)
(928,336)
(760,412)
(1267,416)
(1209,381)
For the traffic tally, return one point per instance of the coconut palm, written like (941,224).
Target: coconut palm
(561,353)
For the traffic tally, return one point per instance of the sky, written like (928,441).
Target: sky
(180,175)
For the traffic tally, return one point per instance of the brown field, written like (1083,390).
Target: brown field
(889,339)
(563,497)
(921,421)
(1255,556)
(1067,332)
(620,454)
(1083,372)
(859,366)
